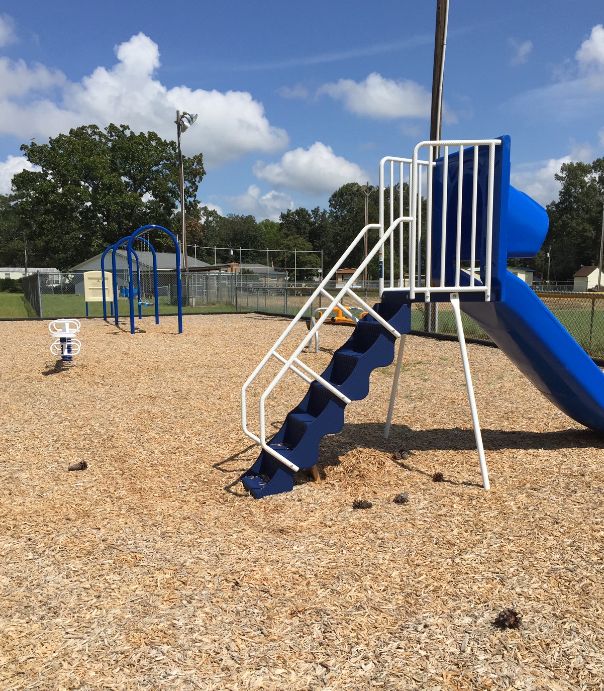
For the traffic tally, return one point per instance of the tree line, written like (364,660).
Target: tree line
(91,187)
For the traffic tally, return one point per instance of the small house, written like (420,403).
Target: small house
(523,273)
(586,278)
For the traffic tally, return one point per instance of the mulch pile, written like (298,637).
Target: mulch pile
(151,568)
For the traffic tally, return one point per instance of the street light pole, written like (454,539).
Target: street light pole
(183,121)
(367,191)
(601,246)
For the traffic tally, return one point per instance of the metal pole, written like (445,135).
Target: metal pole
(470,388)
(601,246)
(549,261)
(438,76)
(365,239)
(397,374)
(295,267)
(182,193)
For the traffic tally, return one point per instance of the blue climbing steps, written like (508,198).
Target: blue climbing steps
(321,412)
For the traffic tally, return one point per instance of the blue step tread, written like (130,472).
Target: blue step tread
(321,412)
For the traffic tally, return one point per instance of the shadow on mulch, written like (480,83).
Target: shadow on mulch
(59,366)
(416,441)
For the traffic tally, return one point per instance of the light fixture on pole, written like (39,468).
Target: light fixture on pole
(183,121)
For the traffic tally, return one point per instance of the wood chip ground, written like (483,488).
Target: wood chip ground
(153,569)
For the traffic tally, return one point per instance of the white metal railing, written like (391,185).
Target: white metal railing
(293,362)
(419,255)
(426,283)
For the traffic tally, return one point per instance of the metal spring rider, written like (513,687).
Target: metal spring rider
(65,343)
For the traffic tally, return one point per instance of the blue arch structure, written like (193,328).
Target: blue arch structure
(132,238)
(155,286)
(114,247)
(131,252)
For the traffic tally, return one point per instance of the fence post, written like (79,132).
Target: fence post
(591,323)
(40,296)
(285,296)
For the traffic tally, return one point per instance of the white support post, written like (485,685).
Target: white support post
(466,369)
(397,374)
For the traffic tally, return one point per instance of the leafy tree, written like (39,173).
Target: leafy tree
(575,221)
(12,238)
(92,187)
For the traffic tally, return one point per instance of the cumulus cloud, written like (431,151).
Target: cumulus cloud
(538,179)
(590,57)
(210,207)
(297,91)
(521,51)
(10,167)
(580,87)
(7,30)
(269,205)
(230,124)
(381,98)
(316,170)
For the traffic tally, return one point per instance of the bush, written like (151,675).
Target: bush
(11,285)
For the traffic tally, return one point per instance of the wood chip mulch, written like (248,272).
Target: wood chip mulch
(152,569)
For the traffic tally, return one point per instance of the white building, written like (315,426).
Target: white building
(523,273)
(15,272)
(585,279)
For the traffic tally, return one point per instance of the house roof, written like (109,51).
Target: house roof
(585,271)
(165,260)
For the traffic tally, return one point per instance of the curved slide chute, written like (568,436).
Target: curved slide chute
(544,351)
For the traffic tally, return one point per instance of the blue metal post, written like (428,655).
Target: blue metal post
(178,281)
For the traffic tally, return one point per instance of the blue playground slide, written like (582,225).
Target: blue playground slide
(543,350)
(515,318)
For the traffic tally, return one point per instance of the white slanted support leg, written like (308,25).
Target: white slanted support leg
(397,374)
(466,369)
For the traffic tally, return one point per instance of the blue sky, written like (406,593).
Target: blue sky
(295,99)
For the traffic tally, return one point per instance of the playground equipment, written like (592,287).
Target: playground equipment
(457,252)
(343,316)
(64,331)
(130,292)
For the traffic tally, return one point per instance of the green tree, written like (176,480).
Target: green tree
(12,238)
(92,187)
(575,221)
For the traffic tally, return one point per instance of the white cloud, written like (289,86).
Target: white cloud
(601,135)
(538,179)
(10,167)
(230,124)
(7,30)
(16,78)
(590,57)
(297,91)
(378,97)
(269,206)
(314,171)
(211,207)
(521,51)
(579,93)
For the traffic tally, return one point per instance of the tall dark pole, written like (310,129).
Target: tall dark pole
(438,71)
(182,193)
(436,113)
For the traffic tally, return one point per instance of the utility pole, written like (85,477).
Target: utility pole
(601,247)
(436,113)
(367,189)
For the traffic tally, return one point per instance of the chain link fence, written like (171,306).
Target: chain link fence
(62,295)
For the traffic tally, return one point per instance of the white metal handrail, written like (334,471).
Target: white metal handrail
(293,360)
